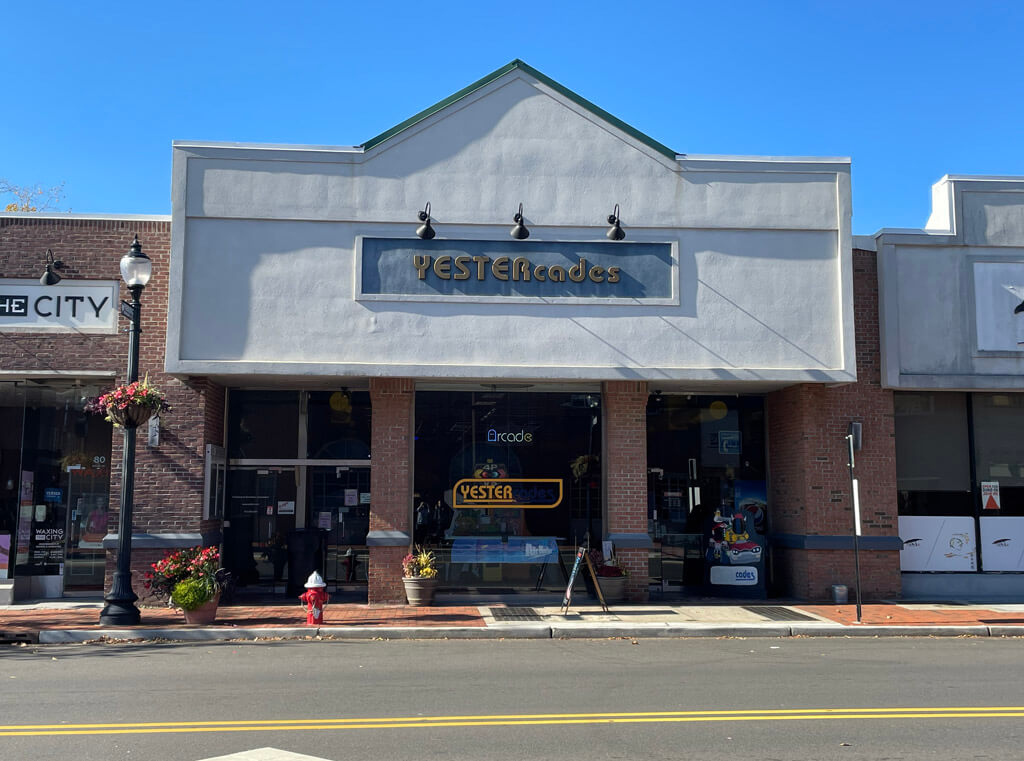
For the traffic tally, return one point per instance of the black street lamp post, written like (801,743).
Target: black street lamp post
(120,609)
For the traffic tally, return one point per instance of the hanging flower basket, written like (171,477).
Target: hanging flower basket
(131,416)
(130,405)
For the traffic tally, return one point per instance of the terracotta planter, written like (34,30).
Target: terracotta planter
(205,613)
(131,416)
(419,591)
(613,588)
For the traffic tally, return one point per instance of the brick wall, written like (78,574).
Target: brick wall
(393,401)
(168,478)
(625,473)
(809,483)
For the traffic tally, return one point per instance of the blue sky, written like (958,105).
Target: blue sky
(95,93)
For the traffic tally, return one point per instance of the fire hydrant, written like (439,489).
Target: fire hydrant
(314,598)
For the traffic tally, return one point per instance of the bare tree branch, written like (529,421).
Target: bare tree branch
(31,198)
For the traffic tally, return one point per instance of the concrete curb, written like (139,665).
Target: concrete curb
(219,634)
(854,630)
(518,631)
(592,631)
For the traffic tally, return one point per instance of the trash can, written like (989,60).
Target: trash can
(305,555)
(840,594)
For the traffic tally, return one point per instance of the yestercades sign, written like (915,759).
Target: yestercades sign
(490,493)
(627,272)
(71,306)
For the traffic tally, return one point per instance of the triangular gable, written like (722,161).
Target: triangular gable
(497,74)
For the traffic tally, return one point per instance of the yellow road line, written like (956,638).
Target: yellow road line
(413,722)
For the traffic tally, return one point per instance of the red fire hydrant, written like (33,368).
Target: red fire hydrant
(314,598)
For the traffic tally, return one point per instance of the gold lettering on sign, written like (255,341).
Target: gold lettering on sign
(481,263)
(502,267)
(461,268)
(499,268)
(443,267)
(578,272)
(421,263)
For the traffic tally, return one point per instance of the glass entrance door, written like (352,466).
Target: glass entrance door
(706,496)
(339,503)
(675,517)
(87,504)
(261,515)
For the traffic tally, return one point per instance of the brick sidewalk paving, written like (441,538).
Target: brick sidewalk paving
(17,620)
(896,615)
(14,620)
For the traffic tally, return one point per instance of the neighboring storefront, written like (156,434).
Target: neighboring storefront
(952,347)
(60,345)
(440,338)
(54,481)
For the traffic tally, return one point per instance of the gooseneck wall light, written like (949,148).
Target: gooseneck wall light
(519,232)
(616,232)
(50,277)
(120,609)
(425,231)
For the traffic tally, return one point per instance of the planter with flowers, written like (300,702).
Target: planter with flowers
(130,405)
(610,575)
(190,579)
(419,574)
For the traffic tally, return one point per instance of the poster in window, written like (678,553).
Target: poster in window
(25,513)
(1002,543)
(990,495)
(937,543)
(5,555)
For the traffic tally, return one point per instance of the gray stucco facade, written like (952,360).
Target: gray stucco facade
(755,292)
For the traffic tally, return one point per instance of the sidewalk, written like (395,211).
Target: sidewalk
(64,622)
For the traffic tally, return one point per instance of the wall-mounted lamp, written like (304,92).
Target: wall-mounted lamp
(425,231)
(519,232)
(616,232)
(50,277)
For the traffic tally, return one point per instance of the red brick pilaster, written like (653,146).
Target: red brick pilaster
(393,402)
(625,475)
(809,483)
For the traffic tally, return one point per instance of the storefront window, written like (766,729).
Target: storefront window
(949,523)
(998,451)
(339,425)
(933,473)
(707,497)
(55,485)
(263,424)
(539,453)
(287,517)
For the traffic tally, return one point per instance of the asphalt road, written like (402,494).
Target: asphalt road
(814,699)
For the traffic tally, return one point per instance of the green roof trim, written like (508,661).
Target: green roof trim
(517,64)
